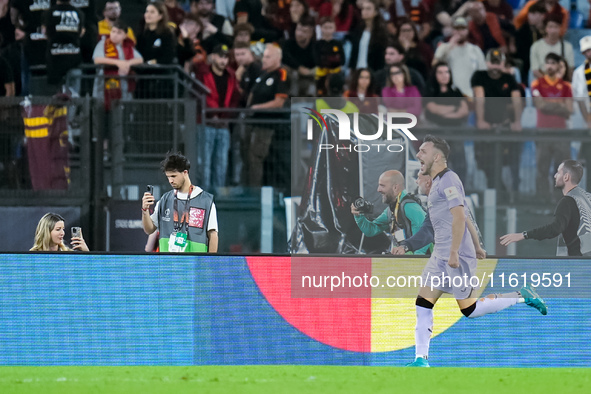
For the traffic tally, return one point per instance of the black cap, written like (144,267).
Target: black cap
(495,56)
(221,49)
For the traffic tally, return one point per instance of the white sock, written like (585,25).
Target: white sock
(485,305)
(423,331)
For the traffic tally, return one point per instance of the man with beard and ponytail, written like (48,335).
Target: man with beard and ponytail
(571,218)
(453,255)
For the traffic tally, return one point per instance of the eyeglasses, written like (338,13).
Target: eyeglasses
(407,30)
(396,72)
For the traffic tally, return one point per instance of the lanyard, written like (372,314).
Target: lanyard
(179,225)
(395,221)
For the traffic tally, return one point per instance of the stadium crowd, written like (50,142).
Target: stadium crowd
(257,53)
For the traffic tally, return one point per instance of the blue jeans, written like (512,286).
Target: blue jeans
(213,147)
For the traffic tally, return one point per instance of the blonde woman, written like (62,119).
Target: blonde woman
(49,235)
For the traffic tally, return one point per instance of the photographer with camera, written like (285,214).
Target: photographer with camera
(403,217)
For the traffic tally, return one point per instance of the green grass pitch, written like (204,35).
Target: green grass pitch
(292,379)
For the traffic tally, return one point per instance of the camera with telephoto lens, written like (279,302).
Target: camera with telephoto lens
(362,205)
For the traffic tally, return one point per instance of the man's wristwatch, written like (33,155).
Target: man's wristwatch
(525,235)
(405,247)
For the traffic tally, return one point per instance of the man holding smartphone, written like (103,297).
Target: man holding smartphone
(185,216)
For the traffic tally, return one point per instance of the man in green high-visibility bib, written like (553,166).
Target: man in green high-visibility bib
(185,216)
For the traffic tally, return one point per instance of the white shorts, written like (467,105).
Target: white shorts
(437,274)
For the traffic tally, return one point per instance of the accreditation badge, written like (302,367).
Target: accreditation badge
(177,242)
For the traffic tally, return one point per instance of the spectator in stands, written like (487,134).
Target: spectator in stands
(7,86)
(395,54)
(214,25)
(251,11)
(64,27)
(368,39)
(278,14)
(398,92)
(28,18)
(551,95)
(191,28)
(494,82)
(214,140)
(445,105)
(185,46)
(297,10)
(270,91)
(243,33)
(225,8)
(418,54)
(553,8)
(157,45)
(298,55)
(581,87)
(531,31)
(462,57)
(10,51)
(445,12)
(486,29)
(343,14)
(90,35)
(362,92)
(112,13)
(176,14)
(6,25)
(334,88)
(418,11)
(49,236)
(564,71)
(117,50)
(329,55)
(248,68)
(552,42)
(582,92)
(500,8)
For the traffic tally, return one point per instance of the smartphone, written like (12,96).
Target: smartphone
(76,232)
(150,189)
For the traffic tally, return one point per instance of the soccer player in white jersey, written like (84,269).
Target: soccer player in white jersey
(453,254)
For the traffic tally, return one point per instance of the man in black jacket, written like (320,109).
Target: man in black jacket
(572,217)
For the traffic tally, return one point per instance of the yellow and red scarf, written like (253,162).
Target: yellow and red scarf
(113,85)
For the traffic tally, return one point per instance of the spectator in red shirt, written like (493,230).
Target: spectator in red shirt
(214,140)
(549,94)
